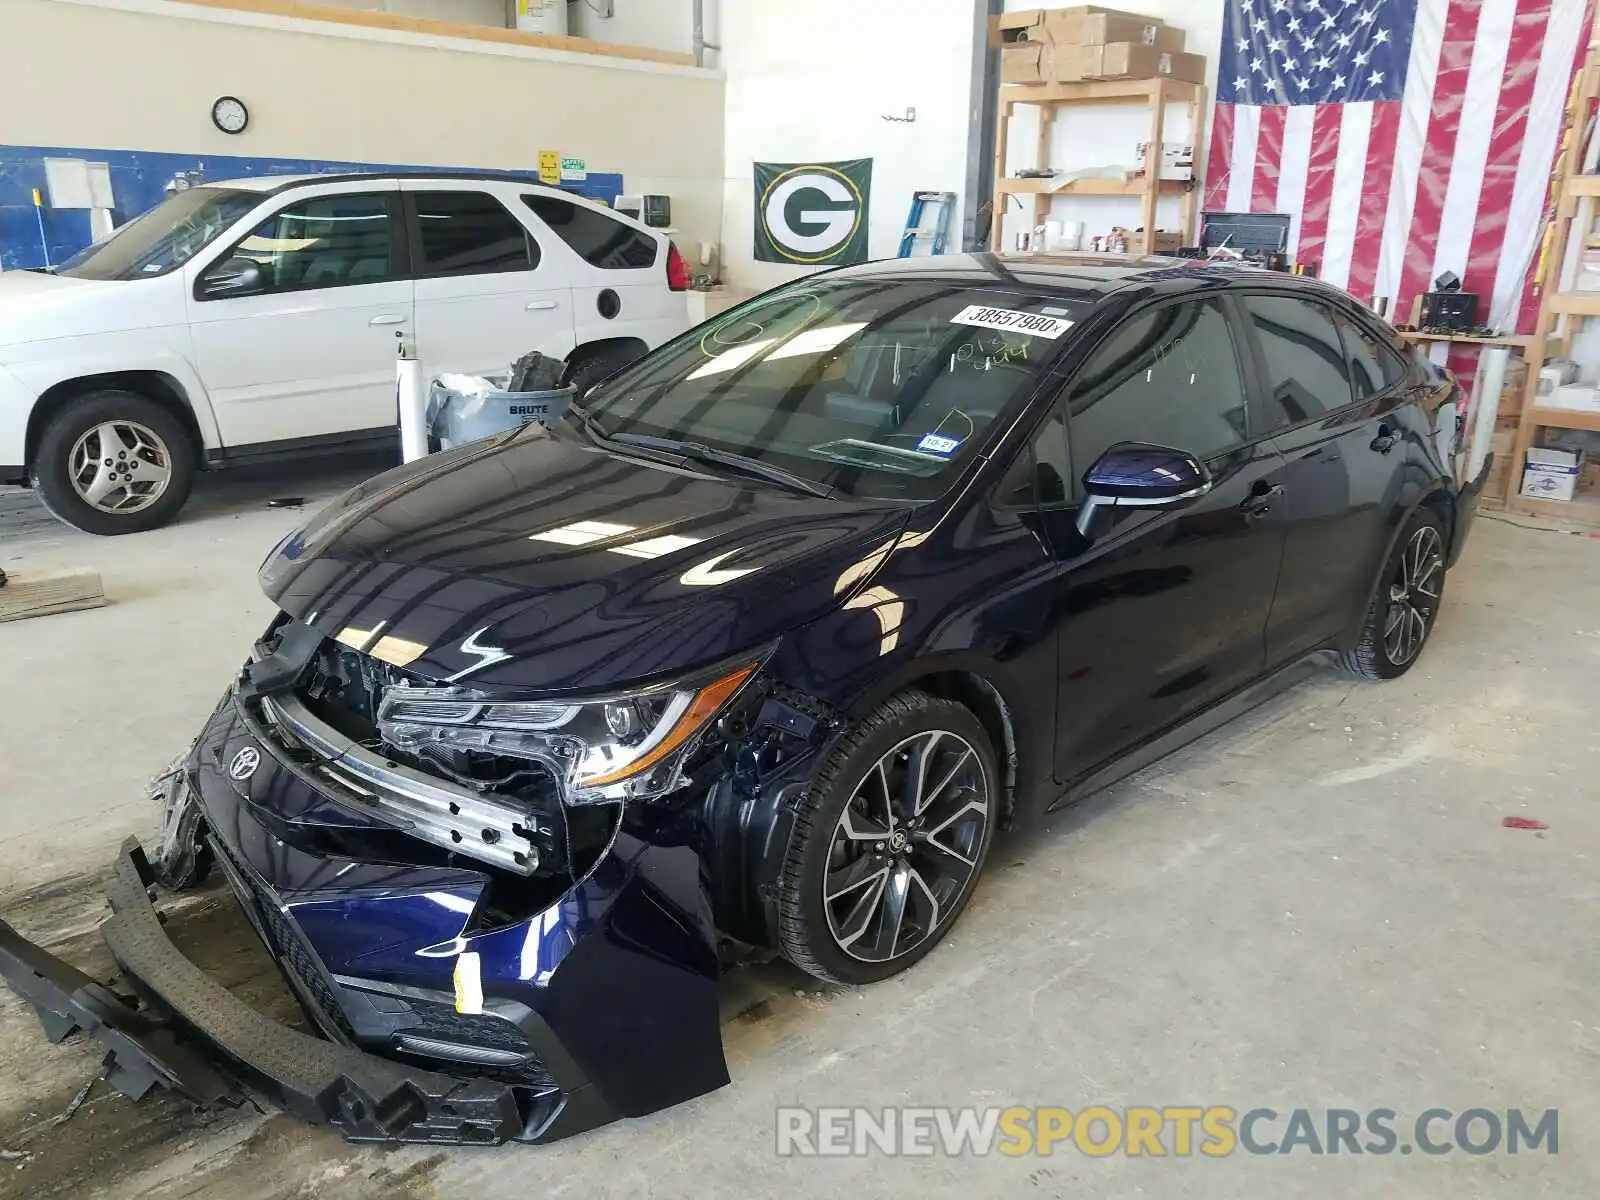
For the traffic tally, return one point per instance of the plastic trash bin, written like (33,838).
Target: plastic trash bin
(463,408)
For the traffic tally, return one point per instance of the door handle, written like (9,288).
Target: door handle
(1388,435)
(388,319)
(1259,502)
(541,305)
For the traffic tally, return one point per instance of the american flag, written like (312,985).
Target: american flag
(1404,138)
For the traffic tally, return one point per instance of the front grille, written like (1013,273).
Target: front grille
(421,1018)
(288,946)
(302,966)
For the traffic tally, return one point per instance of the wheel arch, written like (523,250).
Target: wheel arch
(1442,501)
(1439,500)
(156,386)
(978,685)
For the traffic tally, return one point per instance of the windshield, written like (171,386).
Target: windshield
(164,238)
(872,387)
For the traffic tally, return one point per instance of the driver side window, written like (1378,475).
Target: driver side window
(327,241)
(1170,376)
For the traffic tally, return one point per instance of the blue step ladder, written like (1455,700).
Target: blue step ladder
(938,235)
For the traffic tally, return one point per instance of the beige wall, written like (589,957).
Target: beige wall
(478,12)
(142,75)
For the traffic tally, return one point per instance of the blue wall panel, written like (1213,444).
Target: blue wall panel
(139,181)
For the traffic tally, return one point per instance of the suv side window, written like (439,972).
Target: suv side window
(600,240)
(326,241)
(468,233)
(1374,368)
(1169,375)
(1307,374)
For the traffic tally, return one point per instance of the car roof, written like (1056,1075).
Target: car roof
(1086,278)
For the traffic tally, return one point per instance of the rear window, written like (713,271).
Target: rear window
(1374,368)
(874,387)
(600,240)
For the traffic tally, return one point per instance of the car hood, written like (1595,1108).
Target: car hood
(36,307)
(538,562)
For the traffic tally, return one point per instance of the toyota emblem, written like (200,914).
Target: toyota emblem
(244,764)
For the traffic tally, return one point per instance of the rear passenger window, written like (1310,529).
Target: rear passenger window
(600,240)
(1169,376)
(1374,367)
(469,233)
(1306,371)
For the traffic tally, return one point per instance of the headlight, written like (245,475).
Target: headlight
(628,746)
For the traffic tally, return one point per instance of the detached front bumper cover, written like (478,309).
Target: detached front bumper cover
(192,1035)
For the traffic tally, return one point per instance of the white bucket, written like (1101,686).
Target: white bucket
(542,16)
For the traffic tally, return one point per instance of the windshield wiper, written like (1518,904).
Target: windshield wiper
(579,416)
(699,452)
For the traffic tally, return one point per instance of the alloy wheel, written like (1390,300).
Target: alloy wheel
(120,467)
(906,847)
(1414,596)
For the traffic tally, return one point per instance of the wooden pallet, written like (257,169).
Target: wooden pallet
(38,595)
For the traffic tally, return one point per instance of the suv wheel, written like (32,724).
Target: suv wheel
(114,462)
(1406,605)
(889,841)
(599,367)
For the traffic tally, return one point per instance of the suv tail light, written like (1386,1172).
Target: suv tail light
(677,270)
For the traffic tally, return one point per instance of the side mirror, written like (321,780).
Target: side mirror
(1136,475)
(232,277)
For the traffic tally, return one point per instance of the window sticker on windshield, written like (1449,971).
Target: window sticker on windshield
(1011,320)
(940,444)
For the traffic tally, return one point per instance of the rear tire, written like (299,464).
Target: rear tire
(889,841)
(114,462)
(600,366)
(1406,605)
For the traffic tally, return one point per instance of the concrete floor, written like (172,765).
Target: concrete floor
(1316,907)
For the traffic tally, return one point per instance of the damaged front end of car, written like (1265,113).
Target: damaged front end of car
(500,913)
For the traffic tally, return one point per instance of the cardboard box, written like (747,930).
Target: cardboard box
(1118,60)
(1164,243)
(1020,63)
(1515,388)
(1501,446)
(1125,60)
(1096,27)
(1589,475)
(1551,474)
(1012,27)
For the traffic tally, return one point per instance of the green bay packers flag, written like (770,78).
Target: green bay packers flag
(813,214)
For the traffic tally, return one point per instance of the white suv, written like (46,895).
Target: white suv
(255,318)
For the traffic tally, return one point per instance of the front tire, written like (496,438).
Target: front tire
(889,841)
(1406,606)
(114,462)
